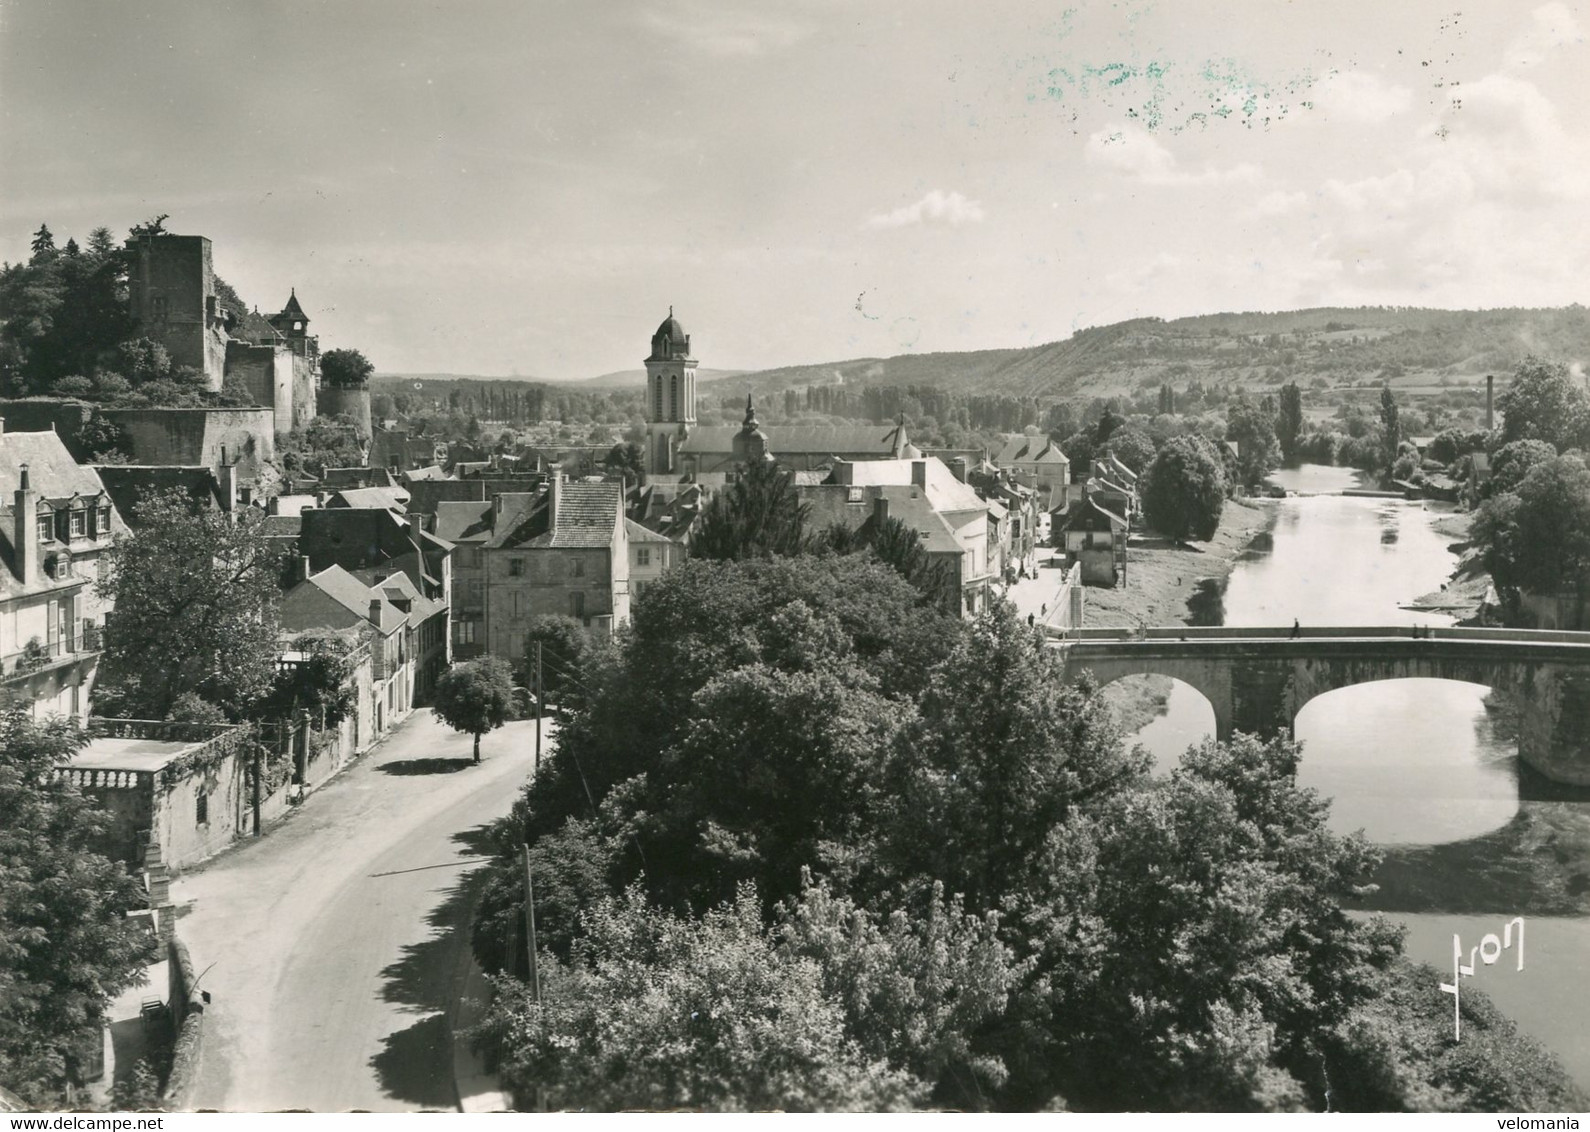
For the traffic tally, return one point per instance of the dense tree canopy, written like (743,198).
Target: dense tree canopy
(1251,426)
(345,368)
(66,945)
(795,784)
(196,595)
(757,516)
(326,442)
(1537,538)
(1289,422)
(1184,491)
(1544,402)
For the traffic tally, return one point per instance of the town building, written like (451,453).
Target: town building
(677,446)
(651,555)
(57,523)
(406,632)
(1095,536)
(563,550)
(1038,462)
(948,515)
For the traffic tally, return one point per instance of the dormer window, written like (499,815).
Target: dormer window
(79,523)
(104,519)
(46,528)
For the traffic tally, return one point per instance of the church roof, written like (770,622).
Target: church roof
(292,309)
(870,441)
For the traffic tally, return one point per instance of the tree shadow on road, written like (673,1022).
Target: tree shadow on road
(416,1064)
(425,766)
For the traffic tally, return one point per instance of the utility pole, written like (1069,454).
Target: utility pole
(530,921)
(530,933)
(538,705)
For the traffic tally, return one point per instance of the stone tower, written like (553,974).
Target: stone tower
(171,285)
(670,395)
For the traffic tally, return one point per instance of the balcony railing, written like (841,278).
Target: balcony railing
(37,655)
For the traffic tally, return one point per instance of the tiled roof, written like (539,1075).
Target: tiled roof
(823,440)
(130,484)
(353,595)
(638,533)
(468,522)
(51,470)
(389,498)
(587,516)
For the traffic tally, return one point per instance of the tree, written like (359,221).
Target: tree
(658,1011)
(318,681)
(1513,461)
(627,460)
(1199,952)
(43,243)
(345,369)
(1132,447)
(196,595)
(1289,422)
(1391,429)
(326,442)
(564,647)
(1538,538)
(1185,490)
(476,697)
(757,516)
(1253,431)
(67,947)
(1544,402)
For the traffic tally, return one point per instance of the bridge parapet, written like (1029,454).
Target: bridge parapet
(1257,680)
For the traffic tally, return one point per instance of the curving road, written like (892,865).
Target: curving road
(334,947)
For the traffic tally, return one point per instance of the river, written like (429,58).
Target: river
(1471,839)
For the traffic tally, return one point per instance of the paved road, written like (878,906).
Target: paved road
(335,944)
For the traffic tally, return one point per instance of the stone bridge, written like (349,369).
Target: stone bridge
(1257,680)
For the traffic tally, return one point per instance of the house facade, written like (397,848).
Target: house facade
(54,538)
(564,550)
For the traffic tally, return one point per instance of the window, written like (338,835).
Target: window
(79,523)
(514,607)
(577,567)
(516,567)
(466,632)
(577,604)
(201,804)
(46,528)
(643,556)
(104,519)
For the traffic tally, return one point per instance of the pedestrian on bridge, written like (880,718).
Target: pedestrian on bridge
(1297,629)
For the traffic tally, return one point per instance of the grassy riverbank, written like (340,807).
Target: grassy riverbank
(1161,580)
(1161,577)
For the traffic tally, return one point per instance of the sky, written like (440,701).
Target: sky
(525,186)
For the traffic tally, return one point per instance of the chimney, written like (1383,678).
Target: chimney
(554,490)
(919,473)
(226,481)
(303,568)
(26,542)
(2,426)
(958,467)
(880,509)
(375,612)
(1490,401)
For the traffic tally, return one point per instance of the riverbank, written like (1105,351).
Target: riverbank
(1162,578)
(1462,596)
(1164,583)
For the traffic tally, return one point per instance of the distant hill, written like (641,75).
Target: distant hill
(1342,345)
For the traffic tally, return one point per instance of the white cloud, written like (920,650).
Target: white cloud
(724,31)
(1357,96)
(1133,152)
(936,207)
(1280,202)
(1551,26)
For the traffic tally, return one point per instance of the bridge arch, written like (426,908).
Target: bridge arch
(1212,681)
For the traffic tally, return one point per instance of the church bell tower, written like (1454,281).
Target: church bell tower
(670,395)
